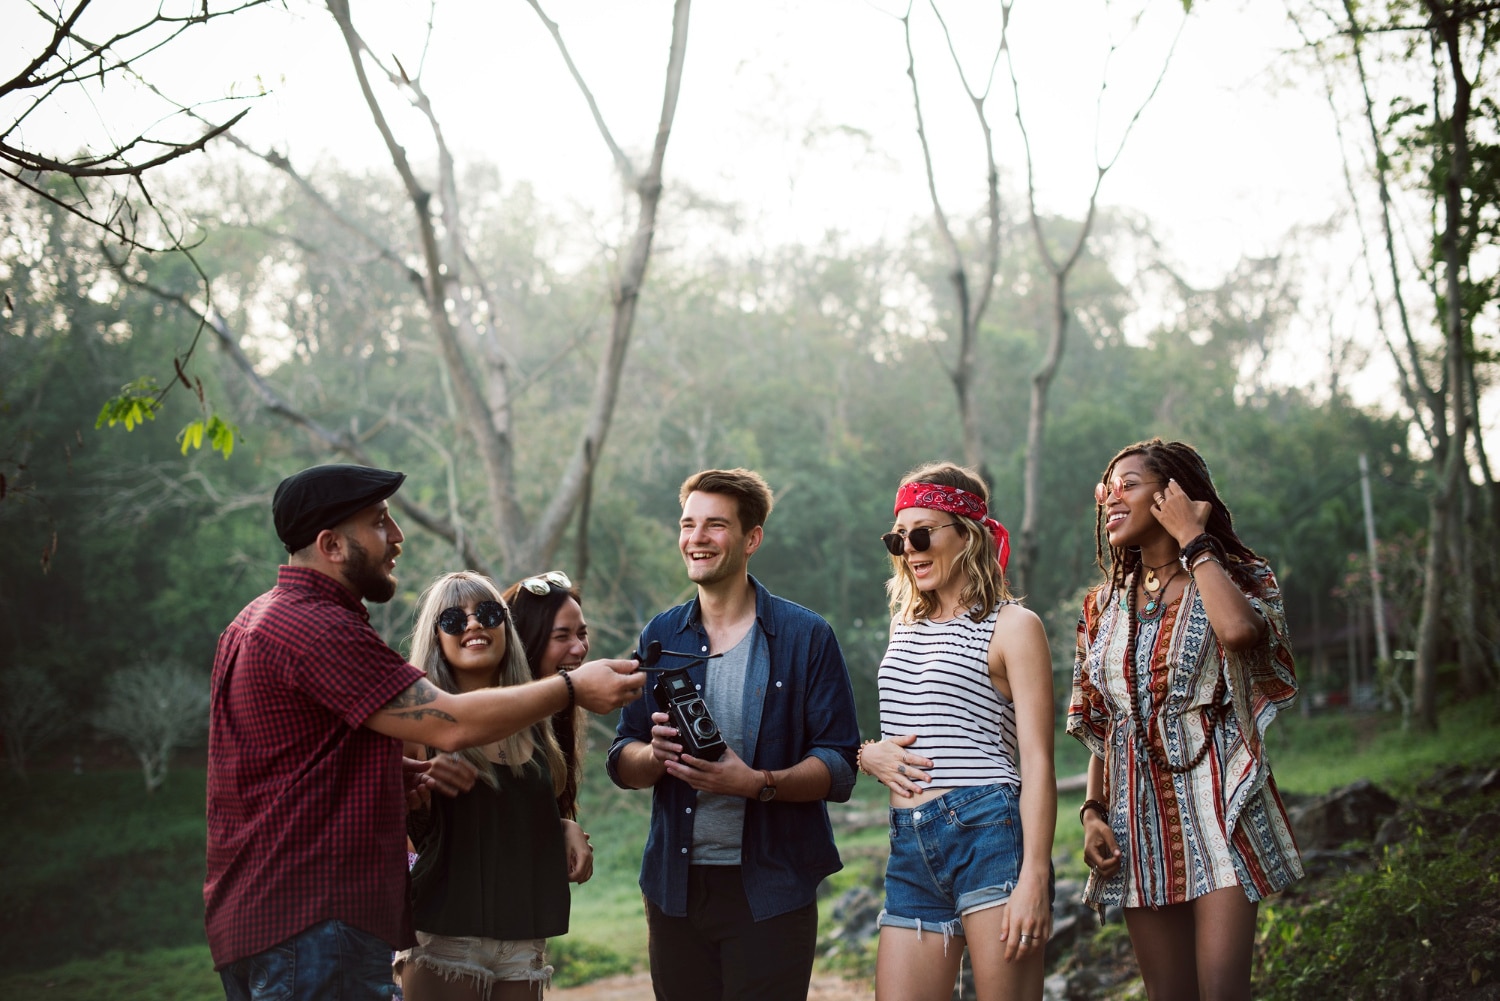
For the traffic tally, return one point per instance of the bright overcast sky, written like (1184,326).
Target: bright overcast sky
(801,109)
(801,112)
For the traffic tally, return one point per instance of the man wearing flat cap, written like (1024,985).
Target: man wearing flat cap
(306,893)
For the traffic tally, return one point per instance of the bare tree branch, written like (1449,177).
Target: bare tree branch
(971,307)
(1042,376)
(622,162)
(340,442)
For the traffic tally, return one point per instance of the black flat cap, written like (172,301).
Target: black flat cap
(321,497)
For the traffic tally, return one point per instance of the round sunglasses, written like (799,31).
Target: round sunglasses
(453,621)
(544,583)
(920,538)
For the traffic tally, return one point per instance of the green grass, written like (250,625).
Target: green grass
(1318,753)
(184,973)
(95,865)
(103,885)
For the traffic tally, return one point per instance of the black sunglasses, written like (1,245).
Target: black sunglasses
(921,538)
(455,620)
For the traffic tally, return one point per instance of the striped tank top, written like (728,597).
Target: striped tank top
(935,682)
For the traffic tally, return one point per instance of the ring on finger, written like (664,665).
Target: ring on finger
(901,769)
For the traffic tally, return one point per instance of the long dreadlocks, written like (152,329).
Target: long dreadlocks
(1175,460)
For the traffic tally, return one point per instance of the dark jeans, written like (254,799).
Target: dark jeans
(719,951)
(331,961)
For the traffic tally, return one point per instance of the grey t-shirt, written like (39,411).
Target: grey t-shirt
(719,820)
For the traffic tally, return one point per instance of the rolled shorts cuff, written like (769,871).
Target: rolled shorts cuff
(948,929)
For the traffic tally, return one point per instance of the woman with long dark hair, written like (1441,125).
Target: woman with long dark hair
(1182,663)
(548,613)
(966,752)
(490,883)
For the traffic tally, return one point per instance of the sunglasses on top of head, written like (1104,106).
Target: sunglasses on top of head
(543,584)
(920,538)
(453,621)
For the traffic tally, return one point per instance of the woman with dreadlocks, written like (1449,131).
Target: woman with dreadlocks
(1182,663)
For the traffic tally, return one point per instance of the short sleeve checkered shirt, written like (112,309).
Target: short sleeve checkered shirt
(306,811)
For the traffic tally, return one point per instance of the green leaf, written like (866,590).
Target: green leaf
(221,435)
(191,436)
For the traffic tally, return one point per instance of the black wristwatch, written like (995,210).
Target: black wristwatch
(768,791)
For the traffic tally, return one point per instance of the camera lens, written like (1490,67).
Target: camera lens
(695,709)
(704,729)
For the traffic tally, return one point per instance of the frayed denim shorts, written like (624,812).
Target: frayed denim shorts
(478,962)
(952,856)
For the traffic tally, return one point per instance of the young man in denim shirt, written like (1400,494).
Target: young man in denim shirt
(738,846)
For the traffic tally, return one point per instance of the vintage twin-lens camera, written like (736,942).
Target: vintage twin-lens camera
(696,729)
(678,697)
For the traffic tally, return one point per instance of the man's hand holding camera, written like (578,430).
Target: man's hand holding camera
(728,776)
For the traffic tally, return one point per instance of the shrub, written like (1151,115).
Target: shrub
(155,708)
(1425,921)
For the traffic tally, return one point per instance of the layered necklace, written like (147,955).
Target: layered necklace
(1156,591)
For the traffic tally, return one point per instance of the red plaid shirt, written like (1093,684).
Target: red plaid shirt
(306,811)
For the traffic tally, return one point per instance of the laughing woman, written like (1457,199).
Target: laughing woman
(966,752)
(548,612)
(490,884)
(1182,663)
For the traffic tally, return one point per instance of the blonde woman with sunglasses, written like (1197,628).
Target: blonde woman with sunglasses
(966,752)
(490,883)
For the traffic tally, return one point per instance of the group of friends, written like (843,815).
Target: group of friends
(335,763)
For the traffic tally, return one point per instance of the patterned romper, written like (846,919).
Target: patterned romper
(1220,823)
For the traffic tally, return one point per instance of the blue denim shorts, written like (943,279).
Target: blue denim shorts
(952,856)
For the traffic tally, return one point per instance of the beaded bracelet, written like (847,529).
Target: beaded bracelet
(859,757)
(572,693)
(1096,806)
(1197,547)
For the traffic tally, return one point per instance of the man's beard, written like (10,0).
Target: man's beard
(367,576)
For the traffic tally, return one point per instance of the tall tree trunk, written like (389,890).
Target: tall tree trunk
(1447,501)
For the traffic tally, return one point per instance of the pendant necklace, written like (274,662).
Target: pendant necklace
(1153,582)
(1155,596)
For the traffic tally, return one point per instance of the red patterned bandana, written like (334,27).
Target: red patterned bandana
(954,500)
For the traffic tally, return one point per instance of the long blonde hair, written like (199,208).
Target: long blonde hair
(984,587)
(456,590)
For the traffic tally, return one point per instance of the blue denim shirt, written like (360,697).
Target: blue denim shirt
(798,704)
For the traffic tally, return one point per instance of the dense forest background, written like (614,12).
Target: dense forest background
(122,551)
(193,306)
(547,375)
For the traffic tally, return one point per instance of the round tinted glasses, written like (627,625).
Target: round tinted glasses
(920,538)
(453,621)
(542,584)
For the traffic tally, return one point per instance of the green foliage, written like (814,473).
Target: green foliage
(136,403)
(575,961)
(97,866)
(1426,913)
(221,435)
(183,973)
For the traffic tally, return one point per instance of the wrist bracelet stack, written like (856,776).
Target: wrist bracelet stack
(859,757)
(1096,806)
(572,693)
(1204,546)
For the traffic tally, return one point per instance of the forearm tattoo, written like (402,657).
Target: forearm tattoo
(409,701)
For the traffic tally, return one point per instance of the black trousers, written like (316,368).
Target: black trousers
(719,952)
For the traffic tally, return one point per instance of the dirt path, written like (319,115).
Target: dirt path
(637,987)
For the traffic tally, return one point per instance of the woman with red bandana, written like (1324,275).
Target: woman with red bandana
(1182,663)
(966,752)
